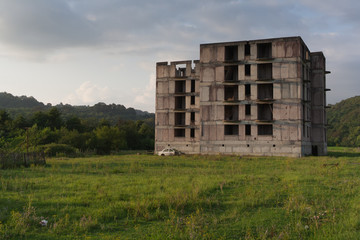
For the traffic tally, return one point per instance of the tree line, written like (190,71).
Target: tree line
(53,133)
(344,123)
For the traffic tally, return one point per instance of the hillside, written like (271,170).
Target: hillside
(7,100)
(26,106)
(344,123)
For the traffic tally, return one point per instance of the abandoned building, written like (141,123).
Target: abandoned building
(260,97)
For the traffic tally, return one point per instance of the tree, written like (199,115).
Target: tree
(74,123)
(109,139)
(5,124)
(21,123)
(40,119)
(54,119)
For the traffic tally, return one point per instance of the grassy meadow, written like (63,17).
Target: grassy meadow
(185,197)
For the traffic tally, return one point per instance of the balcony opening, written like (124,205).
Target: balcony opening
(192,98)
(265,91)
(265,71)
(179,119)
(265,129)
(180,86)
(231,53)
(247,70)
(180,70)
(192,117)
(248,130)
(265,112)
(247,49)
(179,132)
(192,85)
(247,90)
(231,112)
(180,103)
(264,50)
(247,110)
(231,93)
(192,132)
(231,73)
(231,130)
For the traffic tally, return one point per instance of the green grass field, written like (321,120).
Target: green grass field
(186,197)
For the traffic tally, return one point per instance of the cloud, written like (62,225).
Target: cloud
(44,25)
(145,97)
(162,30)
(88,93)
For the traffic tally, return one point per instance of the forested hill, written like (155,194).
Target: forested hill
(27,106)
(344,123)
(7,100)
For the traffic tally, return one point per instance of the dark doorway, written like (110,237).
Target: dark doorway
(315,150)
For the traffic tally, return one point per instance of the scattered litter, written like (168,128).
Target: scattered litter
(43,223)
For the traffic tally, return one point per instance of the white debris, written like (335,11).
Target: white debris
(43,223)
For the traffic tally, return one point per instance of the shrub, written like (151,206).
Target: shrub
(54,149)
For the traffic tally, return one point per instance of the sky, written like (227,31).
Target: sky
(82,52)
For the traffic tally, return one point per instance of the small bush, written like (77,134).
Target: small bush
(54,150)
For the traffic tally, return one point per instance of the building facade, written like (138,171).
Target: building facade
(261,97)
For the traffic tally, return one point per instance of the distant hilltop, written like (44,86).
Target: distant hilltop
(8,100)
(112,112)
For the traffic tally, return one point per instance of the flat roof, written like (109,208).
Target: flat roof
(256,40)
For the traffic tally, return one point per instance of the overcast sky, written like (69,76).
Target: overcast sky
(86,51)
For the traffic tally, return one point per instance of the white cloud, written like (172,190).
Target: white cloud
(88,93)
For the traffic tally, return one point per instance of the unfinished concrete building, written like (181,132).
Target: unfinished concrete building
(260,97)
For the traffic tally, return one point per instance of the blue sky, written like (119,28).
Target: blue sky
(86,51)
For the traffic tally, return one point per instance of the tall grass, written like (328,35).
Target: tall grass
(186,197)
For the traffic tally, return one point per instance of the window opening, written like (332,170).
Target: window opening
(231,53)
(180,86)
(180,103)
(231,112)
(231,73)
(247,90)
(247,70)
(192,98)
(192,117)
(231,129)
(247,49)
(231,93)
(192,132)
(179,132)
(180,70)
(264,50)
(265,129)
(265,71)
(192,85)
(248,130)
(247,109)
(265,91)
(265,112)
(179,119)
